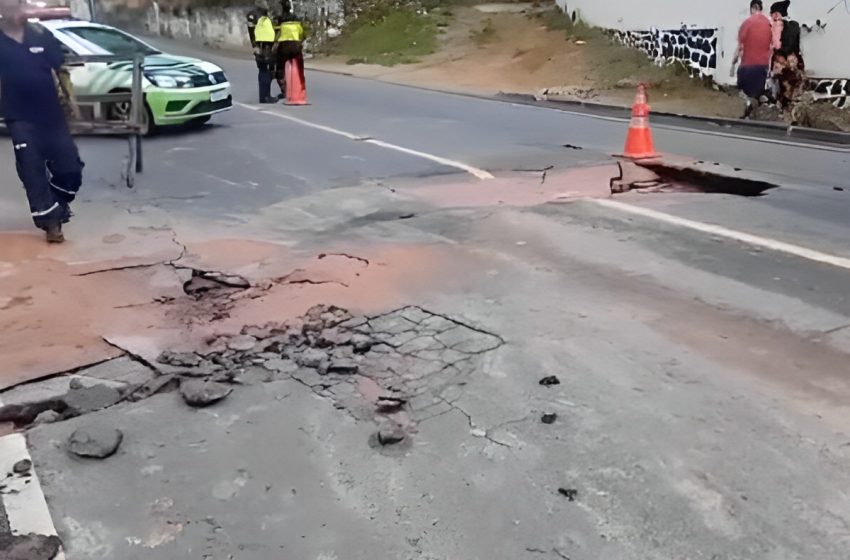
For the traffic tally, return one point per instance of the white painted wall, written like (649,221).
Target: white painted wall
(215,27)
(827,52)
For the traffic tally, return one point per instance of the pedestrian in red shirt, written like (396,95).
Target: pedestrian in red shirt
(754,52)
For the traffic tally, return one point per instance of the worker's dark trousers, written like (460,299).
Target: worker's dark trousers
(264,80)
(50,168)
(265,70)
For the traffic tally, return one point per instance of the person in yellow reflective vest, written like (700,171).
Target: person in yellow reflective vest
(290,43)
(263,36)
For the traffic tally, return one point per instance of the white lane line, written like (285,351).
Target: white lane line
(26,508)
(720,231)
(480,173)
(474,171)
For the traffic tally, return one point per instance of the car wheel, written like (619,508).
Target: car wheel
(121,112)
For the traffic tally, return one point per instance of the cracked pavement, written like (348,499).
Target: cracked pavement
(384,323)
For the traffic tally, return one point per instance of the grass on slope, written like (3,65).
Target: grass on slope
(399,38)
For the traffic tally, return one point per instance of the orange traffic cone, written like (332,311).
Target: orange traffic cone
(296,87)
(639,143)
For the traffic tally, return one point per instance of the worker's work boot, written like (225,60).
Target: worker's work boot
(54,234)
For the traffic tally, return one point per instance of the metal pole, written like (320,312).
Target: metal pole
(137,104)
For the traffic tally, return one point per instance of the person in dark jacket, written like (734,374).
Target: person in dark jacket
(290,43)
(789,36)
(788,76)
(46,157)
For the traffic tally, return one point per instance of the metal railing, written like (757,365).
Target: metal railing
(132,128)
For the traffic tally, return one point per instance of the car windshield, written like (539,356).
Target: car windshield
(111,40)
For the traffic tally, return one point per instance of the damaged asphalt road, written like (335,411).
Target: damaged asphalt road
(363,354)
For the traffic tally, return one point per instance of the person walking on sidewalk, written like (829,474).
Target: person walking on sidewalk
(754,53)
(786,33)
(46,156)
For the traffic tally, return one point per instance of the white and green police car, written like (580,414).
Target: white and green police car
(177,90)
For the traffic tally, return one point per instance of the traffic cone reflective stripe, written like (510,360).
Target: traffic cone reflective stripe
(639,142)
(296,88)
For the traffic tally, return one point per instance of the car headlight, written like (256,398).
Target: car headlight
(169,81)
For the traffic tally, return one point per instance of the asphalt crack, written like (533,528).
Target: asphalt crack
(132,355)
(346,256)
(484,433)
(168,262)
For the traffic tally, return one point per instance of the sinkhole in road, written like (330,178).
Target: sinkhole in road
(707,177)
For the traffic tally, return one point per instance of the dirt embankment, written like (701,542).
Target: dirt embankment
(485,50)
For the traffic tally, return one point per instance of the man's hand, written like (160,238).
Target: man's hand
(735,60)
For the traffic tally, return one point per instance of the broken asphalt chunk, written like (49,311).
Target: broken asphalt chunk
(362,343)
(242,343)
(22,467)
(280,365)
(199,393)
(387,405)
(179,359)
(47,417)
(343,367)
(29,547)
(312,358)
(95,441)
(550,380)
(391,434)
(150,388)
(82,400)
(549,418)
(27,412)
(569,493)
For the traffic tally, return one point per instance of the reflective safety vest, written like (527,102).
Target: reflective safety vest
(291,31)
(264,32)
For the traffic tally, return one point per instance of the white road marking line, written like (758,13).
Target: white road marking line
(720,231)
(303,122)
(480,173)
(24,502)
(474,171)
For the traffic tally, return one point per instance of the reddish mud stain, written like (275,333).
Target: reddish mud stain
(249,258)
(73,306)
(526,189)
(18,247)
(16,301)
(113,238)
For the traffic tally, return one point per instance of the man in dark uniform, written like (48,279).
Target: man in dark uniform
(263,36)
(47,159)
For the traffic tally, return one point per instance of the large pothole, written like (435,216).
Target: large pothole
(396,365)
(397,368)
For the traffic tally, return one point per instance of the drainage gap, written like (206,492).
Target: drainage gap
(708,178)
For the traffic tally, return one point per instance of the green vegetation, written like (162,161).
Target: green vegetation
(556,20)
(619,66)
(400,37)
(614,65)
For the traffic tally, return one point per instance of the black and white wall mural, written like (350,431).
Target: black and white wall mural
(695,48)
(835,91)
